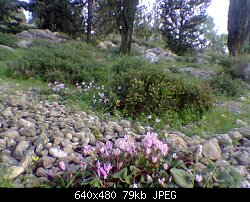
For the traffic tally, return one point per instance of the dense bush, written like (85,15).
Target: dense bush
(224,84)
(5,54)
(127,63)
(152,92)
(67,63)
(8,40)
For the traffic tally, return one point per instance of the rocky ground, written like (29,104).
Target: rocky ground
(31,126)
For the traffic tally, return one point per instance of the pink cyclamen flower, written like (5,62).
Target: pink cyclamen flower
(108,167)
(102,150)
(98,168)
(161,181)
(149,179)
(154,159)
(165,166)
(62,166)
(117,151)
(148,151)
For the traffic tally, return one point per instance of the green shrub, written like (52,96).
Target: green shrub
(224,84)
(68,63)
(8,40)
(152,92)
(128,63)
(5,55)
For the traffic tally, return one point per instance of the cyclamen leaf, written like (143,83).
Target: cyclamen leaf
(129,179)
(122,174)
(182,178)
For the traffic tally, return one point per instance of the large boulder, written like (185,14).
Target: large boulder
(106,44)
(246,72)
(27,37)
(198,73)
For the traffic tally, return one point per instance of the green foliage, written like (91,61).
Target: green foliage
(5,55)
(4,183)
(8,40)
(152,92)
(224,84)
(66,63)
(126,64)
(182,178)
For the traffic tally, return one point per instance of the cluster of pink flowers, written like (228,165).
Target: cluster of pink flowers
(153,146)
(104,170)
(127,144)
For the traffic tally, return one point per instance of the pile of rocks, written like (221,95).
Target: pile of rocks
(32,127)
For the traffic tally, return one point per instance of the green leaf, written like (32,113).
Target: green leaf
(122,174)
(129,179)
(182,178)
(88,180)
(134,170)
(95,183)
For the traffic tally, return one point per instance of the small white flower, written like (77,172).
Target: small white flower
(165,166)
(200,151)
(149,117)
(157,120)
(198,178)
(135,185)
(175,156)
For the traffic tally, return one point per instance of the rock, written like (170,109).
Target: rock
(25,124)
(7,113)
(44,153)
(44,138)
(174,140)
(235,135)
(198,60)
(68,136)
(41,172)
(211,150)
(239,122)
(224,140)
(21,149)
(245,142)
(244,158)
(106,44)
(26,162)
(31,181)
(39,148)
(13,172)
(17,100)
(27,37)
(46,162)
(57,153)
(2,144)
(198,73)
(125,124)
(12,134)
(7,48)
(79,126)
(245,131)
(28,132)
(55,113)
(228,149)
(10,161)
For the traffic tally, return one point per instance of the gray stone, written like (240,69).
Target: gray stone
(174,140)
(26,162)
(125,124)
(31,181)
(28,131)
(44,138)
(46,162)
(21,149)
(198,73)
(41,172)
(228,149)
(7,113)
(44,153)
(211,149)
(245,131)
(7,48)
(6,159)
(244,158)
(57,153)
(2,144)
(246,72)
(24,123)
(17,100)
(198,60)
(39,148)
(55,113)
(224,140)
(68,136)
(13,172)
(235,135)
(79,126)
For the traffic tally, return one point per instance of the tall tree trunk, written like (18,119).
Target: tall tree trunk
(238,26)
(89,21)
(125,21)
